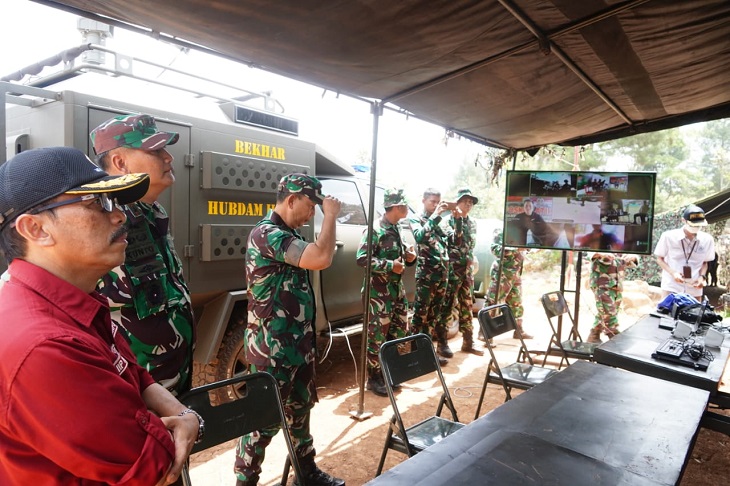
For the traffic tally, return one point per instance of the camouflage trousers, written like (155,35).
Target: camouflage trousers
(428,308)
(608,303)
(460,297)
(299,394)
(388,321)
(510,292)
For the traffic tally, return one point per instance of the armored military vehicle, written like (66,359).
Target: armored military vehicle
(228,161)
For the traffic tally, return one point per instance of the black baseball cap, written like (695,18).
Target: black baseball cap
(35,176)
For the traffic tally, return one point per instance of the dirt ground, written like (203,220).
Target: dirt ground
(349,430)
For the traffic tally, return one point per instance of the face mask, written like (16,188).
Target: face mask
(691,229)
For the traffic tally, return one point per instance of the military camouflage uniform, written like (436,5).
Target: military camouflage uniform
(607,275)
(432,276)
(280,334)
(461,280)
(387,303)
(148,296)
(510,285)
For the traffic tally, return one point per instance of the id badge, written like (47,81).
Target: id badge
(687,271)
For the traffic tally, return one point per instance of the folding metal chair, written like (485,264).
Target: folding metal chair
(494,321)
(258,407)
(556,308)
(403,360)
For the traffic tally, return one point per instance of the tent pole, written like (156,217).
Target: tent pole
(360,413)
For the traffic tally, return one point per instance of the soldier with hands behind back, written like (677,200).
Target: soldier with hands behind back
(388,306)
(148,294)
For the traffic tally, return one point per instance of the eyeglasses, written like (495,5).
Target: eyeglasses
(106,203)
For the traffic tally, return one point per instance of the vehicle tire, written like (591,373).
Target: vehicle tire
(230,361)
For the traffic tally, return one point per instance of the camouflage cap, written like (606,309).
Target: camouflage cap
(132,131)
(394,197)
(466,192)
(302,183)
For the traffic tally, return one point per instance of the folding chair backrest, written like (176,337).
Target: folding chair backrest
(496,320)
(555,305)
(403,360)
(404,366)
(258,406)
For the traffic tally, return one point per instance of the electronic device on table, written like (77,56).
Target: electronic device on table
(684,353)
(670,322)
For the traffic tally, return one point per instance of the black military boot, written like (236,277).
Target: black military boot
(376,384)
(443,344)
(467,345)
(314,476)
(444,350)
(252,481)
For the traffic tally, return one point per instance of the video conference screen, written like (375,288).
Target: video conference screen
(592,211)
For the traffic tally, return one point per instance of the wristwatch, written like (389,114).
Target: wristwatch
(201,423)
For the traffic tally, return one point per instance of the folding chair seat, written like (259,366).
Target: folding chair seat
(403,360)
(494,321)
(556,308)
(258,406)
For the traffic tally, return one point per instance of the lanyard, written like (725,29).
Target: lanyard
(691,250)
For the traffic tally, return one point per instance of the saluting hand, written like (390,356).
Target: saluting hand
(331,205)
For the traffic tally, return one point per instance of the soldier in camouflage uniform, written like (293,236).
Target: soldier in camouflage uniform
(607,276)
(460,295)
(432,272)
(280,335)
(509,287)
(148,295)
(388,305)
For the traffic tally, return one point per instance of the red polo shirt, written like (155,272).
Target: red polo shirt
(71,408)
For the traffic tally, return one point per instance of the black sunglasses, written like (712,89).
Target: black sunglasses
(107,203)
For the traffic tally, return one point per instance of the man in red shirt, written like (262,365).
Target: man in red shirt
(75,408)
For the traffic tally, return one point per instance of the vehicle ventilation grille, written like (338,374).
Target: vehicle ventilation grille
(226,171)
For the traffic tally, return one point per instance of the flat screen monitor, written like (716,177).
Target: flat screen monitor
(592,211)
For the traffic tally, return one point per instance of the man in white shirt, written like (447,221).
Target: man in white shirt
(684,253)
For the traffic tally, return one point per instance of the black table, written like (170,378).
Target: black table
(589,424)
(631,350)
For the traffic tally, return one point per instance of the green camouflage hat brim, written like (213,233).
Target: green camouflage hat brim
(132,131)
(302,184)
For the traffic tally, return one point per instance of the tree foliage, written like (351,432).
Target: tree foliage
(714,141)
